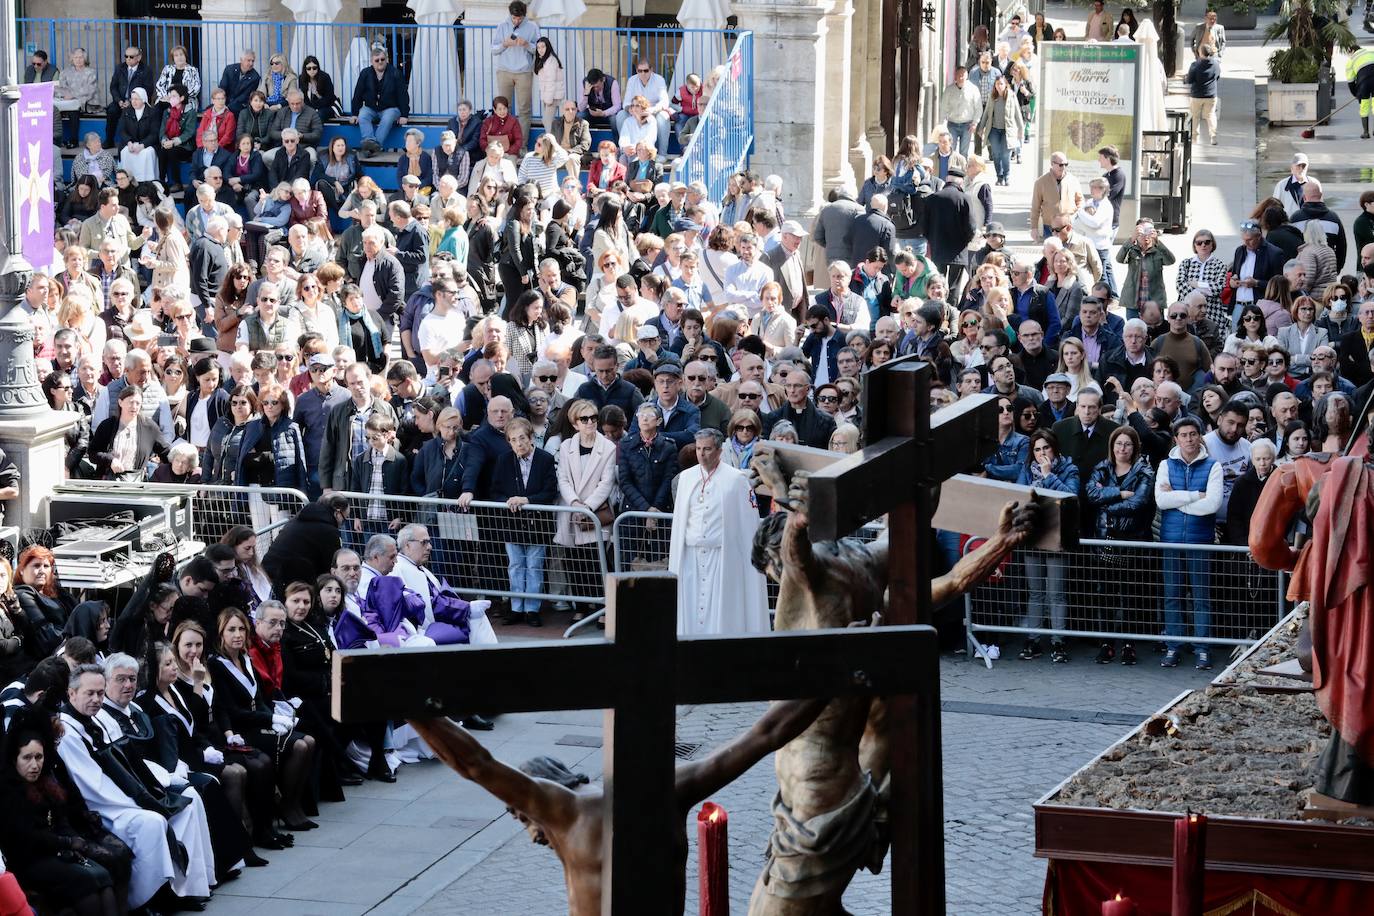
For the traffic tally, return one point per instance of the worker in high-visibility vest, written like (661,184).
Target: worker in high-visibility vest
(1359,74)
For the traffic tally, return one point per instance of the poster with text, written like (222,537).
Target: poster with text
(1088,99)
(34,175)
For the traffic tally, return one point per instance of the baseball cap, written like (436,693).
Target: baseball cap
(995,229)
(320,359)
(677,186)
(669,367)
(1059,377)
(412,180)
(647,332)
(1300,159)
(792,227)
(954,172)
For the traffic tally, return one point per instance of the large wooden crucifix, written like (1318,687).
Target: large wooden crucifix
(639,673)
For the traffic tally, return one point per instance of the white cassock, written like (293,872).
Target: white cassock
(714,520)
(420,580)
(144,831)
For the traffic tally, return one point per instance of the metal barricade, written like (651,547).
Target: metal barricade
(472,549)
(724,134)
(215,508)
(1129,590)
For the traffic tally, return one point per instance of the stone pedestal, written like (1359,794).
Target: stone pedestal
(36,446)
(794,108)
(230,27)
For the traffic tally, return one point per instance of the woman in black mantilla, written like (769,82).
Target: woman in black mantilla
(53,842)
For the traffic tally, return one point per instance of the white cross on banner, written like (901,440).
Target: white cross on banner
(35,172)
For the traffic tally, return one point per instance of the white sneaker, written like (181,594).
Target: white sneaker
(993,652)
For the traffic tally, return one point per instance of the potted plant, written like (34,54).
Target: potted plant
(1238,15)
(1300,80)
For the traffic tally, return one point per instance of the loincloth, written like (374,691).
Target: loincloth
(820,855)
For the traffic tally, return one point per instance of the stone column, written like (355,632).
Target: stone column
(874,129)
(860,88)
(799,114)
(230,26)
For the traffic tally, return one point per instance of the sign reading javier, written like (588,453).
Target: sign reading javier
(1088,99)
(35,175)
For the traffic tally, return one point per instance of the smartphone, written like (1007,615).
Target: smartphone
(167,340)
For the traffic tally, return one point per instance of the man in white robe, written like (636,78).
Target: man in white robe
(714,519)
(144,831)
(412,566)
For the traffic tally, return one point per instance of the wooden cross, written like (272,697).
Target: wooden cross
(895,474)
(639,673)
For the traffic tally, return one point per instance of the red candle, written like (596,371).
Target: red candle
(713,860)
(1190,855)
(1118,906)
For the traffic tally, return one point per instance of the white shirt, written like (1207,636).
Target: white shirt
(1247,272)
(200,426)
(632,132)
(656,91)
(439,333)
(743,283)
(369,289)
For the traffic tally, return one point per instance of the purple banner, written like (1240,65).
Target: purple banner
(35,197)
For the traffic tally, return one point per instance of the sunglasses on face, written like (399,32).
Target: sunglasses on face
(749,397)
(587,418)
(749,426)
(828,399)
(1251,318)
(547,378)
(1201,242)
(271,402)
(1250,362)
(284,357)
(970,324)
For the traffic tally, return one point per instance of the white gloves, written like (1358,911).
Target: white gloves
(214,756)
(234,741)
(282,725)
(478,608)
(295,702)
(373,644)
(408,627)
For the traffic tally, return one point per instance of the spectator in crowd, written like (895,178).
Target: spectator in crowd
(1188,491)
(1046,468)
(513,48)
(380,101)
(522,476)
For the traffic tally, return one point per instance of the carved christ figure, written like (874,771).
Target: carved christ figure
(560,810)
(829,808)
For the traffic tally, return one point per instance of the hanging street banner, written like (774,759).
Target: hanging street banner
(1089,98)
(35,173)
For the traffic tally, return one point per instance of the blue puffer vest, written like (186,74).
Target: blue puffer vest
(1175,525)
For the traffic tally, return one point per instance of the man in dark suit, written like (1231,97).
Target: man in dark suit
(290,162)
(1354,348)
(834,229)
(788,269)
(822,346)
(1255,261)
(813,426)
(681,418)
(209,156)
(134,74)
(1083,438)
(386,276)
(239,82)
(952,219)
(606,387)
(344,435)
(873,230)
(525,476)
(208,262)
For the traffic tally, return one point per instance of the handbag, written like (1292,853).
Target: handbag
(1228,294)
(605,514)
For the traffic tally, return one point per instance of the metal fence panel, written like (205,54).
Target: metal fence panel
(1129,590)
(215,508)
(721,144)
(472,549)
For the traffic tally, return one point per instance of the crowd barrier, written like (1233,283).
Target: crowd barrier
(421,51)
(469,548)
(1120,590)
(214,508)
(720,145)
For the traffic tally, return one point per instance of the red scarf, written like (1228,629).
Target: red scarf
(174,123)
(266,661)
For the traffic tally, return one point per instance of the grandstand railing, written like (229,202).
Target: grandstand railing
(724,137)
(1115,590)
(344,49)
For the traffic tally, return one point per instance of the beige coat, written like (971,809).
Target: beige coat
(589,480)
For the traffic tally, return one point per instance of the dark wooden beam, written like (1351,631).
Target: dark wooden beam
(529,677)
(641,811)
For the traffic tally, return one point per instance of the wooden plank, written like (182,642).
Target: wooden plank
(531,677)
(973,505)
(640,812)
(790,665)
